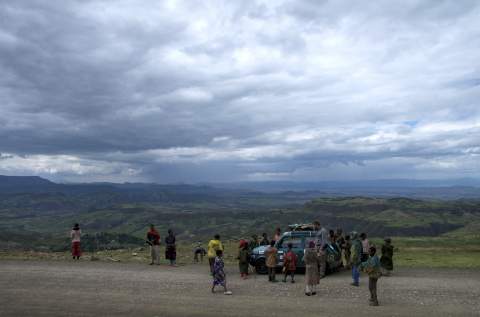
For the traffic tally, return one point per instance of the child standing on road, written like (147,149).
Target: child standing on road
(219,277)
(372,268)
(386,260)
(312,274)
(289,264)
(243,255)
(271,256)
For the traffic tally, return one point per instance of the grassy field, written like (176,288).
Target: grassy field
(454,250)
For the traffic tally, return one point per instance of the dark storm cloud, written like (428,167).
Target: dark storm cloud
(175,91)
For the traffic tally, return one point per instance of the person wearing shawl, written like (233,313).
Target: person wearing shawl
(289,264)
(219,277)
(271,261)
(75,235)
(170,248)
(312,274)
(373,269)
(243,255)
(355,258)
(153,239)
(386,260)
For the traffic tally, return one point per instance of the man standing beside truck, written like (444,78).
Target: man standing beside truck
(321,241)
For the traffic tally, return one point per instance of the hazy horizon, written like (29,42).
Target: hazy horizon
(221,91)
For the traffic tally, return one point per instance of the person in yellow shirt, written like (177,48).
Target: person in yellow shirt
(213,246)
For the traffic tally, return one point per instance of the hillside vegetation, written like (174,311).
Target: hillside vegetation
(117,216)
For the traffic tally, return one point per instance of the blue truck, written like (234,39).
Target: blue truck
(299,236)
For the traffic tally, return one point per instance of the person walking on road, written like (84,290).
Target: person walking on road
(219,276)
(213,246)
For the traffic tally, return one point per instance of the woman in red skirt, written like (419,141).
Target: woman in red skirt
(75,235)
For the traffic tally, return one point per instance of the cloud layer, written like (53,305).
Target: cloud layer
(187,91)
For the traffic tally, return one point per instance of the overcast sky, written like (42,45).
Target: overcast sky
(214,91)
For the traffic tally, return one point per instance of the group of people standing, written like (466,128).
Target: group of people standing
(153,239)
(356,251)
(357,254)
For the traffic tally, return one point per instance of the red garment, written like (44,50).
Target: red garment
(154,237)
(290,261)
(76,251)
(243,243)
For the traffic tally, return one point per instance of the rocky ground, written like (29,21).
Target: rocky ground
(84,288)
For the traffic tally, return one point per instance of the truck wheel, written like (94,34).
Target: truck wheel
(261,267)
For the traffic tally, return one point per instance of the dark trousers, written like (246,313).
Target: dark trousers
(271,274)
(287,273)
(372,287)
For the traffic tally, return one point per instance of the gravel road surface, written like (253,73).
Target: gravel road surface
(84,288)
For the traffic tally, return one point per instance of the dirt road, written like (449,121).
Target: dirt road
(42,288)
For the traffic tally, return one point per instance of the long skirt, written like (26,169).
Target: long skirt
(243,266)
(155,253)
(312,274)
(76,251)
(171,253)
(219,278)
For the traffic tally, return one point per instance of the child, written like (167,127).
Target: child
(289,263)
(219,277)
(386,260)
(312,274)
(271,255)
(372,268)
(199,251)
(243,255)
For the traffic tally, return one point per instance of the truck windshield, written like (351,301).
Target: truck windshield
(295,241)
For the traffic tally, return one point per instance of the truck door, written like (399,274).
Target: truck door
(297,244)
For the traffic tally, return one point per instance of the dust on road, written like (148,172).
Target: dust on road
(43,288)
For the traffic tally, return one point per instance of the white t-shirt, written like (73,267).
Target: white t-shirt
(75,235)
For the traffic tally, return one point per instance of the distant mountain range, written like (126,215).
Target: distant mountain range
(438,189)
